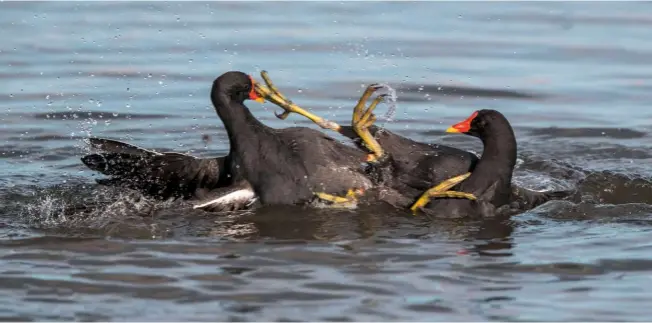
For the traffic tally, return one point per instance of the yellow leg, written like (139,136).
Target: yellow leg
(442,190)
(363,119)
(271,93)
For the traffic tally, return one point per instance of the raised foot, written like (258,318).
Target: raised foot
(272,94)
(442,190)
(349,200)
(363,118)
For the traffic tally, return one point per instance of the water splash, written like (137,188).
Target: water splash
(390,100)
(101,210)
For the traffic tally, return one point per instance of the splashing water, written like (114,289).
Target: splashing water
(106,210)
(390,99)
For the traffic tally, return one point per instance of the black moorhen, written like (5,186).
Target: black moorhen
(491,180)
(283,166)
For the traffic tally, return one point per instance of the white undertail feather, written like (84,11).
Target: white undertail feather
(233,197)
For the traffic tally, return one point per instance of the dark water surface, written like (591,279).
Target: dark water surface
(575,80)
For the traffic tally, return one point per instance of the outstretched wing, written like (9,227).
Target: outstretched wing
(161,175)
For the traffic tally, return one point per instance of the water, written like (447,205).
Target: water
(574,80)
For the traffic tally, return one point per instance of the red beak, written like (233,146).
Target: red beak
(463,126)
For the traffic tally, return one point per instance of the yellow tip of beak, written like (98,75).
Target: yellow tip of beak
(260,100)
(452,130)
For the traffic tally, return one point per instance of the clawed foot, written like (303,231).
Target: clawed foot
(441,190)
(363,118)
(350,199)
(271,93)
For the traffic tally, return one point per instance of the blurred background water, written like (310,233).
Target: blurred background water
(573,78)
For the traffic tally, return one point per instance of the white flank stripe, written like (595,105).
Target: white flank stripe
(239,195)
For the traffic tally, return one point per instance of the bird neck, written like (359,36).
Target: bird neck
(243,129)
(495,166)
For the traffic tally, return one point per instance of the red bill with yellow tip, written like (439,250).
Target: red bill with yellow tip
(463,126)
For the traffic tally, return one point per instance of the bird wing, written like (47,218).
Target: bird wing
(162,175)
